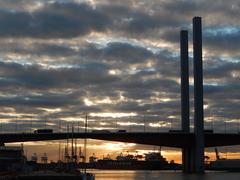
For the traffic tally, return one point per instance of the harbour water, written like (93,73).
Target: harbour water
(162,175)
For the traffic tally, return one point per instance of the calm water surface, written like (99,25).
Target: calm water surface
(162,175)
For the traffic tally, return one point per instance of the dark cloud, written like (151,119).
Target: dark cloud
(117,51)
(221,69)
(152,20)
(158,85)
(54,20)
(37,50)
(33,76)
(224,40)
(47,100)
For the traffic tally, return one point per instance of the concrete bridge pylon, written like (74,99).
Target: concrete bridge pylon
(193,156)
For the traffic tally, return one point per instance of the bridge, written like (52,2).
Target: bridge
(191,143)
(169,139)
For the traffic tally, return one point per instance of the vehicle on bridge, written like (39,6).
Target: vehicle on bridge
(43,131)
(208,131)
(100,131)
(175,130)
(179,131)
(122,131)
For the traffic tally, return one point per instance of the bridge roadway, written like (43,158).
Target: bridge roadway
(169,139)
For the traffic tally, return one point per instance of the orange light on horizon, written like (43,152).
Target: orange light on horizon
(103,148)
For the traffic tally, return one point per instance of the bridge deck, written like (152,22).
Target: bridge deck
(169,139)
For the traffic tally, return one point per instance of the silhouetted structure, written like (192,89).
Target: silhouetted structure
(185,96)
(198,96)
(193,156)
(184,80)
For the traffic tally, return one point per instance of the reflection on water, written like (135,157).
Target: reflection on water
(162,175)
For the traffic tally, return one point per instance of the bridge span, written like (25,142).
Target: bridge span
(169,139)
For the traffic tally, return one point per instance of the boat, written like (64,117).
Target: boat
(152,161)
(14,165)
(224,164)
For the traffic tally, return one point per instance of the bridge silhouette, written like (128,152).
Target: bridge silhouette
(169,139)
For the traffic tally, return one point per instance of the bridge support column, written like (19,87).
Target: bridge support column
(198,95)
(186,152)
(190,160)
(186,160)
(193,155)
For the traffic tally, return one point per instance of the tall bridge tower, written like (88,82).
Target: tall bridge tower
(193,156)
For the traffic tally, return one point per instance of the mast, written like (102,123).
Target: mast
(75,151)
(72,154)
(85,143)
(66,151)
(217,154)
(59,152)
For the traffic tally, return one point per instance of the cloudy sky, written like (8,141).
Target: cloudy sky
(116,60)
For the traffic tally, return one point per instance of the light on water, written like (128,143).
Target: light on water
(163,175)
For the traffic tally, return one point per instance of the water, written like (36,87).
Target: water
(163,175)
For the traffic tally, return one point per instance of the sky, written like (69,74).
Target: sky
(117,61)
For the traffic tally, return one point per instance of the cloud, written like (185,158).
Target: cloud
(119,56)
(53,20)
(117,51)
(35,76)
(223,39)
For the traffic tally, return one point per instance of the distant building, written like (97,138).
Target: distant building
(12,159)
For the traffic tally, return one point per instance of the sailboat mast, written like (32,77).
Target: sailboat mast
(72,144)
(85,142)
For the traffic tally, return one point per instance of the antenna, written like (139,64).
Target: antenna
(16,125)
(160,150)
(30,125)
(45,123)
(144,123)
(59,126)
